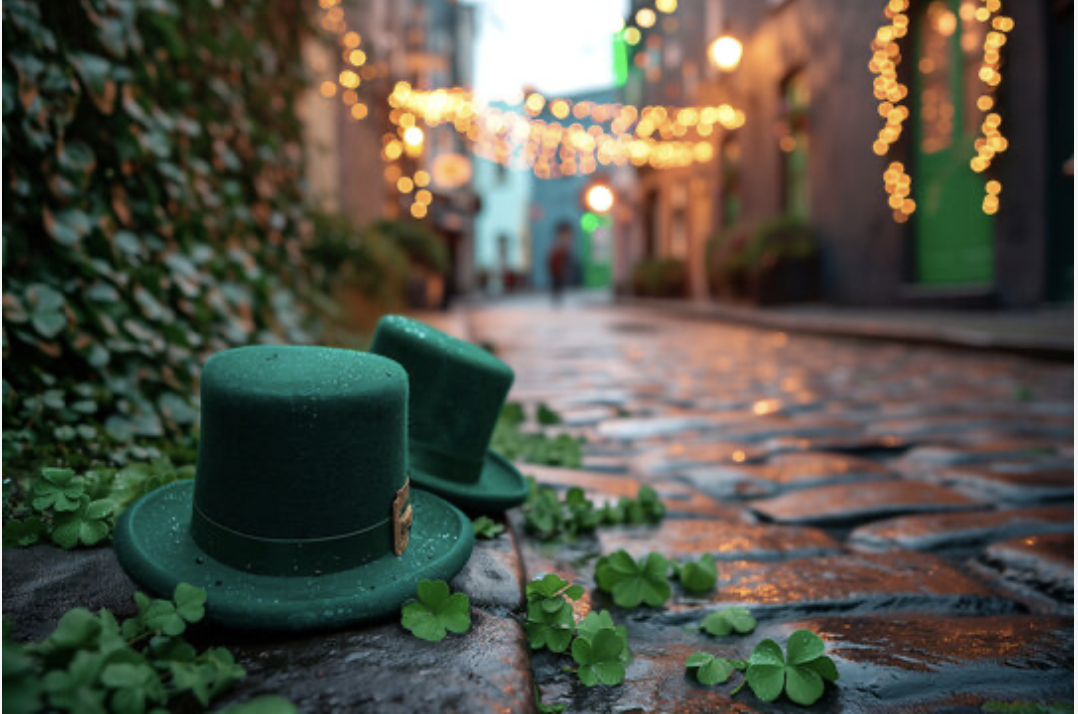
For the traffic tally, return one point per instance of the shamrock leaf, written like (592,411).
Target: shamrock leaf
(631,582)
(546,416)
(731,619)
(58,489)
(549,620)
(436,612)
(600,658)
(546,708)
(74,688)
(135,684)
(698,575)
(21,533)
(651,509)
(486,528)
(210,675)
(269,704)
(801,672)
(594,622)
(89,524)
(709,669)
(190,602)
(543,512)
(77,629)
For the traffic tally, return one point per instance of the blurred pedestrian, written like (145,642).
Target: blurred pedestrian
(559,259)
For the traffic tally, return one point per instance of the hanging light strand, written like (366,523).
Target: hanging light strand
(891,93)
(991,142)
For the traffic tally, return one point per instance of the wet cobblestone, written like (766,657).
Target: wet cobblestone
(916,505)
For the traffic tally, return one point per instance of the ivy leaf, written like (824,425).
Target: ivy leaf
(486,529)
(436,612)
(89,524)
(731,619)
(708,669)
(632,582)
(58,489)
(699,575)
(21,533)
(600,658)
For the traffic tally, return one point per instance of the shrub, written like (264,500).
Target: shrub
(422,245)
(726,260)
(785,238)
(660,277)
(368,261)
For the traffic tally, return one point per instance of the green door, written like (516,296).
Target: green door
(596,243)
(953,235)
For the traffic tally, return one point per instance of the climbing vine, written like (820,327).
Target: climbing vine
(153,211)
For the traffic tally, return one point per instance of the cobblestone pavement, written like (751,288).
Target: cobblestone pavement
(913,506)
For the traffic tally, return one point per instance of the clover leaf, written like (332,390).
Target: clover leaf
(600,658)
(486,528)
(546,708)
(58,489)
(205,678)
(436,612)
(801,672)
(89,524)
(549,620)
(709,669)
(698,575)
(164,617)
(135,684)
(546,416)
(731,619)
(21,533)
(595,622)
(268,704)
(634,582)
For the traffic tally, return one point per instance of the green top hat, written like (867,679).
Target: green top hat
(300,515)
(457,393)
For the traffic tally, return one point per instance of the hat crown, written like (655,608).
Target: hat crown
(457,391)
(301,445)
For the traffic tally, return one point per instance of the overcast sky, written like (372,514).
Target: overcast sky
(557,46)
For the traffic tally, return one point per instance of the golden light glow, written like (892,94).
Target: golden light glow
(413,136)
(418,210)
(725,53)
(327,89)
(599,198)
(645,17)
(424,197)
(666,6)
(348,79)
(357,57)
(405,184)
(422,178)
(359,111)
(632,35)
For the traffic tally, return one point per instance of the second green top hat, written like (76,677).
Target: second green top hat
(456,393)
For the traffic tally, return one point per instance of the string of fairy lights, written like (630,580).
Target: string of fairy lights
(891,93)
(551,136)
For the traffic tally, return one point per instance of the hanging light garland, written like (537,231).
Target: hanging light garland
(991,142)
(886,57)
(891,93)
(519,136)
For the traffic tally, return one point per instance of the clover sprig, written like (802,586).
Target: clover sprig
(436,612)
(801,672)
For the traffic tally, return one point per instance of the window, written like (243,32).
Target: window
(794,144)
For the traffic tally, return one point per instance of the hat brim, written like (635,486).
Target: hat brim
(500,486)
(154,544)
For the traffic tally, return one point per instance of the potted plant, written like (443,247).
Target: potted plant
(660,277)
(727,262)
(782,260)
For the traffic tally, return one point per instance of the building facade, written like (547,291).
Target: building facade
(806,149)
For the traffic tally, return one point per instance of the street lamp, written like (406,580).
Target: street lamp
(599,198)
(725,53)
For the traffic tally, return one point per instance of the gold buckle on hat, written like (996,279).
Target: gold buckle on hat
(402,519)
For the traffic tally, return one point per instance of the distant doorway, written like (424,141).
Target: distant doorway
(953,236)
(1061,153)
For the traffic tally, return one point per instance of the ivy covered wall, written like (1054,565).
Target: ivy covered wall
(153,210)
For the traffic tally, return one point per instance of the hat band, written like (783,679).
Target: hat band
(448,466)
(283,557)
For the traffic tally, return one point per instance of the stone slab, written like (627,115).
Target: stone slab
(681,539)
(851,503)
(1043,564)
(948,530)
